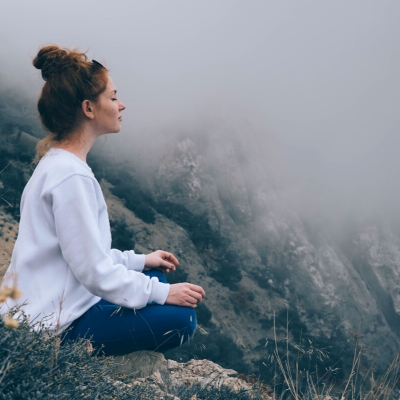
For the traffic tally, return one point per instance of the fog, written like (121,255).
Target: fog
(318,79)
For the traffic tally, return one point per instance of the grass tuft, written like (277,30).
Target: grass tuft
(33,365)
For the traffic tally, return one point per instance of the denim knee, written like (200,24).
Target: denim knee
(157,274)
(184,320)
(191,328)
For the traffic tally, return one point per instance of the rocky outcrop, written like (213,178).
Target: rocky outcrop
(167,377)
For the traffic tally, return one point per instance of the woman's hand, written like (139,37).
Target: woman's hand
(162,260)
(185,294)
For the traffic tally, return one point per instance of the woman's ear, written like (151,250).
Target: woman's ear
(87,109)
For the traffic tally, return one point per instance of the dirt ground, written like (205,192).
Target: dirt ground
(8,235)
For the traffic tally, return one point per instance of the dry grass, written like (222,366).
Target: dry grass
(291,383)
(33,364)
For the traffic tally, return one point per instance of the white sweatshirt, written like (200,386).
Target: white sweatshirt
(62,259)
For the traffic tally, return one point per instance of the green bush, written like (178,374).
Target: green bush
(214,346)
(122,236)
(228,275)
(14,181)
(203,315)
(228,272)
(197,226)
(134,200)
(180,275)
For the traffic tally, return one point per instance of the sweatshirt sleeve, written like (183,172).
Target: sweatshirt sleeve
(129,258)
(75,209)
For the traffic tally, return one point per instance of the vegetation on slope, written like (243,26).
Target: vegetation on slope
(128,188)
(34,365)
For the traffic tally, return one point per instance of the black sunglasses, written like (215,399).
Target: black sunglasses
(96,64)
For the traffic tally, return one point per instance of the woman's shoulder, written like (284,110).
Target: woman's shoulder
(60,161)
(58,165)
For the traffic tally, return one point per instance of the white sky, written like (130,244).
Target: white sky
(322,76)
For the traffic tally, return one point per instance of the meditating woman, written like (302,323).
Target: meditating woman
(70,278)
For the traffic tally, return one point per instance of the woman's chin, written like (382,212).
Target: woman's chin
(116,130)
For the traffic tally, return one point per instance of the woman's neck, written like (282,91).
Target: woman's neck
(80,143)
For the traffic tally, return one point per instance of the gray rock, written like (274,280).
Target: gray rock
(152,369)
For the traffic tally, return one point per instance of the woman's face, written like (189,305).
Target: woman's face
(107,111)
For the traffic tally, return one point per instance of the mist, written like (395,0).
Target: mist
(314,85)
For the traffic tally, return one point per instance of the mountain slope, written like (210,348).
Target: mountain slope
(259,250)
(227,210)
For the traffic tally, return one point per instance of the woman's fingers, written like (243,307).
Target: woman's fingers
(161,259)
(169,256)
(198,289)
(167,266)
(196,296)
(187,304)
(185,294)
(192,300)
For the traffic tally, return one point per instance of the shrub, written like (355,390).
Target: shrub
(214,346)
(144,211)
(180,275)
(228,275)
(203,315)
(266,323)
(14,181)
(197,226)
(35,366)
(121,235)
(242,302)
(134,200)
(203,236)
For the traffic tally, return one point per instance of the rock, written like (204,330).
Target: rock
(152,369)
(140,363)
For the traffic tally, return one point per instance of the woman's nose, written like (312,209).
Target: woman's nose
(122,106)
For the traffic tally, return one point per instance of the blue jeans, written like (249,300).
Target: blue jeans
(119,330)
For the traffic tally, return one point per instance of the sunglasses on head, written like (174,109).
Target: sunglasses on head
(96,64)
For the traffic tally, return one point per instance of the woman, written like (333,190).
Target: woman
(65,267)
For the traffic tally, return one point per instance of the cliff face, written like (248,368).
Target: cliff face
(228,211)
(264,259)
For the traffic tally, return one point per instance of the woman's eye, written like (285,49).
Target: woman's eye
(114,98)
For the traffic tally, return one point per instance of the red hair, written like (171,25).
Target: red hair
(70,79)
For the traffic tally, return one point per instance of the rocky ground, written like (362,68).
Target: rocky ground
(167,376)
(8,235)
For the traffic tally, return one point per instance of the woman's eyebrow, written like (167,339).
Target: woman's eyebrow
(114,91)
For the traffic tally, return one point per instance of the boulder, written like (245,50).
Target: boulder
(151,368)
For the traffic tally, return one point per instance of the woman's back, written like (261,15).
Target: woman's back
(37,262)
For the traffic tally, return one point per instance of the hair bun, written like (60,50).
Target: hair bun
(52,60)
